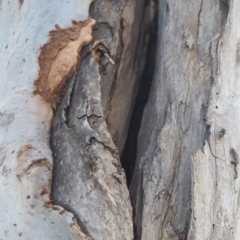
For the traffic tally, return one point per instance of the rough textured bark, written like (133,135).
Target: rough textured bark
(89,182)
(185,184)
(74,108)
(93,115)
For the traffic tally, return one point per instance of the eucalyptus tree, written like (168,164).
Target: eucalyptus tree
(119,119)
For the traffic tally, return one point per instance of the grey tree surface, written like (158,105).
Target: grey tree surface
(133,120)
(92,120)
(185,183)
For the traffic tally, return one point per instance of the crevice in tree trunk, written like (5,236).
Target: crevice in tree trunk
(129,154)
(88,179)
(93,93)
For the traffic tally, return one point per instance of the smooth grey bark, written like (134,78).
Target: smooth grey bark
(36,39)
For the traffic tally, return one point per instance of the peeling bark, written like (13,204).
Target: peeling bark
(69,100)
(59,57)
(93,118)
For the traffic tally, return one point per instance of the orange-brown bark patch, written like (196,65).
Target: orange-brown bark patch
(76,228)
(59,57)
(24,168)
(44,191)
(62,212)
(40,163)
(24,149)
(48,204)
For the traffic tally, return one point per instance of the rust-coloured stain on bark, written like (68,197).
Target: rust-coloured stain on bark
(24,149)
(76,228)
(62,212)
(48,204)
(58,58)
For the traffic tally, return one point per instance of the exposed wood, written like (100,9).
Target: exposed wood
(69,100)
(59,57)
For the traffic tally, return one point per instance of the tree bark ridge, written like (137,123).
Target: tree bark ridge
(175,119)
(93,118)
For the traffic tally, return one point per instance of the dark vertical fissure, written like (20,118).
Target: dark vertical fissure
(129,154)
(73,160)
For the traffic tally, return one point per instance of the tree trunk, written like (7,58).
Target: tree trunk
(88,177)
(185,183)
(69,113)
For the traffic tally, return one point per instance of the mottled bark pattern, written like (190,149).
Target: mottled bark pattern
(186,174)
(176,125)
(93,119)
(26,161)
